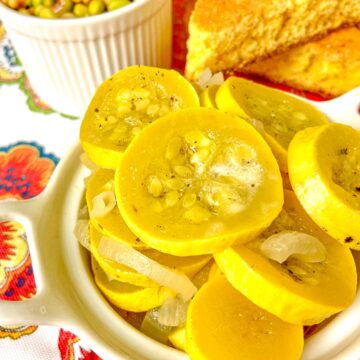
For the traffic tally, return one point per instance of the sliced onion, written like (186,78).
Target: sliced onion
(153,328)
(284,244)
(257,124)
(85,160)
(81,233)
(103,203)
(134,259)
(204,78)
(216,79)
(173,312)
(83,213)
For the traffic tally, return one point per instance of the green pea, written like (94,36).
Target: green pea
(36,3)
(47,13)
(38,8)
(96,7)
(117,4)
(80,10)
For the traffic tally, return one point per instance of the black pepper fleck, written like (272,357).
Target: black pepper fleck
(344,151)
(348,239)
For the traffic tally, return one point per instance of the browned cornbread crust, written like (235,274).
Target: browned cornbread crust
(329,66)
(228,34)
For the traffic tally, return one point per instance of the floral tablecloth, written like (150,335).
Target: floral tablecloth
(33,139)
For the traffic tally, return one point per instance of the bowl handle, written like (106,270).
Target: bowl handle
(41,308)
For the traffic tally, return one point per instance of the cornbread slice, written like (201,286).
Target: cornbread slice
(329,66)
(229,34)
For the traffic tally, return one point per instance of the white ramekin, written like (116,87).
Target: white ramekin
(67,59)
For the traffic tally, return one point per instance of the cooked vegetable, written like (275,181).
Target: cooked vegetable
(196,181)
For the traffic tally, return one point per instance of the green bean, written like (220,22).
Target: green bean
(117,4)
(96,7)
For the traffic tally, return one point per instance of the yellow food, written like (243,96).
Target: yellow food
(324,169)
(281,114)
(296,291)
(222,324)
(207,96)
(111,224)
(178,338)
(241,31)
(129,297)
(188,265)
(127,102)
(329,66)
(196,181)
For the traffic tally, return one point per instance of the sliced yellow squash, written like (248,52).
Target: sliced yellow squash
(282,115)
(296,291)
(188,265)
(127,102)
(196,181)
(129,297)
(222,324)
(207,96)
(112,224)
(178,338)
(324,169)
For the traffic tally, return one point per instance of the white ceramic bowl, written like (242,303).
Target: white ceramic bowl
(68,297)
(66,59)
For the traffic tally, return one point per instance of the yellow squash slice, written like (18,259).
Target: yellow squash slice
(281,114)
(296,291)
(222,324)
(324,169)
(112,224)
(178,338)
(129,297)
(188,265)
(196,181)
(207,96)
(127,102)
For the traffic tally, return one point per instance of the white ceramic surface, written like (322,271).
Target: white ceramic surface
(67,295)
(66,59)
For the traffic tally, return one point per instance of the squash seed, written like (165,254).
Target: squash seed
(154,186)
(171,198)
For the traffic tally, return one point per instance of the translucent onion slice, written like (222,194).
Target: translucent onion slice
(204,77)
(153,328)
(207,78)
(216,79)
(126,255)
(258,125)
(102,203)
(173,312)
(284,244)
(85,160)
(83,213)
(81,232)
